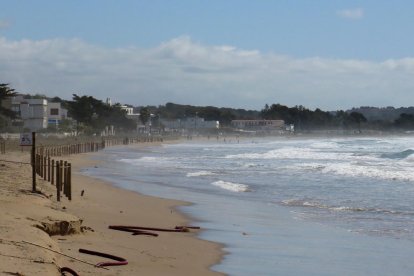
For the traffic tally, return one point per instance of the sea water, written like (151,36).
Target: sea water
(286,206)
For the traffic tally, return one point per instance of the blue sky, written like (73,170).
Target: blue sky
(328,54)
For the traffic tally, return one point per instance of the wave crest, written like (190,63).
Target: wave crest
(200,173)
(398,155)
(230,186)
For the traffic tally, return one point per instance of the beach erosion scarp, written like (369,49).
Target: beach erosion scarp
(26,216)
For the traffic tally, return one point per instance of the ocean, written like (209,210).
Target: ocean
(286,205)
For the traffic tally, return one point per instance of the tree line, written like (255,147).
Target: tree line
(93,115)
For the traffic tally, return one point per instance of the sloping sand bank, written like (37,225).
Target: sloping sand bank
(83,223)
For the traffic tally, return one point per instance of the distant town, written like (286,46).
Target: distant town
(90,116)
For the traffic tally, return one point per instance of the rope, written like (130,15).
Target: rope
(16,162)
(63,254)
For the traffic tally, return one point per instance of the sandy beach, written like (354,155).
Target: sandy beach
(83,223)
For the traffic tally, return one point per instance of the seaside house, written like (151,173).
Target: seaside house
(33,112)
(133,116)
(55,114)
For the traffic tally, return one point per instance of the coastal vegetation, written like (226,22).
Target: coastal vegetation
(91,115)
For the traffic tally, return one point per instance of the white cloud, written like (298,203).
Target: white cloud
(353,14)
(4,24)
(183,71)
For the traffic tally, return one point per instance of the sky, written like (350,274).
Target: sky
(327,54)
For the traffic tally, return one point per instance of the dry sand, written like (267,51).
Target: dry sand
(23,215)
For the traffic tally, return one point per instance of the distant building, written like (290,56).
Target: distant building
(265,125)
(33,112)
(37,114)
(190,123)
(55,114)
(129,110)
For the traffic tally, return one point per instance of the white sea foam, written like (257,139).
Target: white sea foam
(294,153)
(381,172)
(200,173)
(230,186)
(303,203)
(324,145)
(145,159)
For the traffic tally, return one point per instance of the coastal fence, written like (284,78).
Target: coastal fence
(91,146)
(69,149)
(2,146)
(57,172)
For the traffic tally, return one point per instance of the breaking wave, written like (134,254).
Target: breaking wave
(307,203)
(398,155)
(230,186)
(381,172)
(200,173)
(293,153)
(145,159)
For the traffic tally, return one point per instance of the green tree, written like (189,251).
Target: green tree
(405,121)
(93,115)
(357,118)
(144,115)
(5,93)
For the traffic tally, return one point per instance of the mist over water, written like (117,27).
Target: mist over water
(274,199)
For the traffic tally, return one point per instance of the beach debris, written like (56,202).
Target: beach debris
(86,228)
(140,230)
(120,260)
(133,231)
(83,192)
(13,273)
(61,228)
(188,227)
(65,269)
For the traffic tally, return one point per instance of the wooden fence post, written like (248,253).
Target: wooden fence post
(69,195)
(48,168)
(33,157)
(61,175)
(65,177)
(44,167)
(57,180)
(53,170)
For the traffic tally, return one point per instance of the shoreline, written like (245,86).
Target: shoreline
(101,205)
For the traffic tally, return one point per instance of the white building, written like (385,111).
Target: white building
(37,114)
(33,112)
(129,110)
(55,114)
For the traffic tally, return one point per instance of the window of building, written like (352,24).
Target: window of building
(54,111)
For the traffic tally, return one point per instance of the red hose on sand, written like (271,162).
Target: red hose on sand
(69,270)
(120,260)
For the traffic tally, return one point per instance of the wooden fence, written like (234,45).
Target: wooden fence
(84,147)
(2,146)
(57,172)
